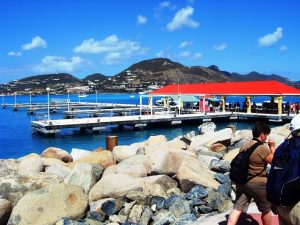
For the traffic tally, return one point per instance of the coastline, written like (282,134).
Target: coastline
(152,182)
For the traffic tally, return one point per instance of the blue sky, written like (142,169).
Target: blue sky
(82,37)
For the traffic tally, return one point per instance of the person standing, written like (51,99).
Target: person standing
(255,188)
(290,215)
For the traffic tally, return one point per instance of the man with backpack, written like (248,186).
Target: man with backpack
(283,187)
(255,185)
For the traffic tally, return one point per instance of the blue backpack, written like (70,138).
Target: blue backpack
(283,185)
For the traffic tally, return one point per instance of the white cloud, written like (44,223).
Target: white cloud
(283,48)
(220,47)
(185,54)
(165,4)
(109,44)
(185,44)
(182,18)
(37,42)
(112,58)
(12,53)
(112,47)
(140,20)
(198,55)
(270,39)
(59,64)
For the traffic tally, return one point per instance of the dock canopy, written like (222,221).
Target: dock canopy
(244,88)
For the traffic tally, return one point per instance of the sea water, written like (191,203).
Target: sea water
(17,138)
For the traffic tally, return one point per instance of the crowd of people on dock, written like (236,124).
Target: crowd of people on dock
(275,191)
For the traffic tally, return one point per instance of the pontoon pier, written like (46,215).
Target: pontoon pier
(54,126)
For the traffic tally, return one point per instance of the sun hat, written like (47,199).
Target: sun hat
(295,123)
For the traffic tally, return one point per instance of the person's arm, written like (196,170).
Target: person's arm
(269,158)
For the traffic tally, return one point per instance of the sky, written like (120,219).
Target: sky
(82,37)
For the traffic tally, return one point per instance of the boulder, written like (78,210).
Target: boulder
(119,185)
(113,186)
(122,152)
(207,128)
(104,159)
(77,153)
(245,134)
(13,187)
(210,138)
(5,210)
(173,145)
(8,167)
(30,165)
(57,153)
(51,161)
(157,185)
(48,205)
(155,140)
(167,161)
(60,170)
(31,155)
(281,130)
(83,176)
(218,147)
(135,166)
(191,172)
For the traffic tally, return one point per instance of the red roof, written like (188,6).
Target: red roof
(270,87)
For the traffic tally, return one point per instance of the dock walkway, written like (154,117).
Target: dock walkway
(54,126)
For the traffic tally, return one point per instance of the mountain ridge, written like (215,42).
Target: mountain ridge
(141,76)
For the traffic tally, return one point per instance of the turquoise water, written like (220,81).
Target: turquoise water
(17,139)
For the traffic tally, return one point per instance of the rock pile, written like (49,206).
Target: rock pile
(152,182)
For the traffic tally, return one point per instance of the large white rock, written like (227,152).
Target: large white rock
(192,172)
(60,170)
(167,161)
(173,145)
(282,130)
(113,186)
(155,140)
(122,152)
(118,185)
(57,153)
(102,158)
(49,205)
(78,153)
(14,187)
(135,166)
(8,167)
(30,165)
(51,161)
(245,134)
(210,138)
(82,175)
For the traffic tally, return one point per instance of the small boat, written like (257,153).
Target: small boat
(131,96)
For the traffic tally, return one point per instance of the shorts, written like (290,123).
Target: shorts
(249,191)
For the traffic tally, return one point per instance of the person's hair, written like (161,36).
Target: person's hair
(259,128)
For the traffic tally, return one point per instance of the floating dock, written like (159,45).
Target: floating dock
(54,126)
